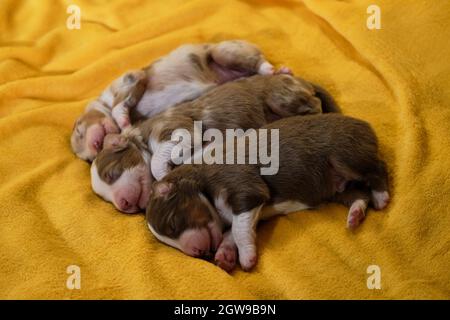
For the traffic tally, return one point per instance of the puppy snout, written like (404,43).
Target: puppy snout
(126,206)
(97,145)
(196,242)
(200,253)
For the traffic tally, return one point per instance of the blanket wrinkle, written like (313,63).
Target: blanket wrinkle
(346,47)
(396,78)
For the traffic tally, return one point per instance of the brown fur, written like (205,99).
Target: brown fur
(181,200)
(204,65)
(308,148)
(122,157)
(246,103)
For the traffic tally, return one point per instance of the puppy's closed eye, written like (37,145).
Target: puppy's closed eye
(111,176)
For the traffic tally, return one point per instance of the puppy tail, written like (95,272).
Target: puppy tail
(328,102)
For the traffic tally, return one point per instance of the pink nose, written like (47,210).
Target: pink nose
(97,145)
(124,204)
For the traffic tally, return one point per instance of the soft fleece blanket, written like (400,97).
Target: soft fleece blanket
(397,78)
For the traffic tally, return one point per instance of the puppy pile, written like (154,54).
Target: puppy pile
(211,210)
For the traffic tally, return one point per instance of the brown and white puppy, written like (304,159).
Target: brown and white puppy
(245,103)
(182,75)
(319,156)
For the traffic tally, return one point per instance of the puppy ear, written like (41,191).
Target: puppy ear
(162,189)
(312,106)
(115,141)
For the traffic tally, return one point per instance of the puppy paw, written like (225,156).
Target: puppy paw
(123,122)
(356,214)
(130,102)
(266,68)
(284,70)
(133,77)
(248,259)
(380,199)
(225,258)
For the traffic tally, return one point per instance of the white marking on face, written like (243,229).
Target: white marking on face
(133,186)
(171,242)
(100,187)
(193,242)
(196,242)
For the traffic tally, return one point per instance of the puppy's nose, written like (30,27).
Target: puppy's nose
(204,254)
(97,145)
(124,204)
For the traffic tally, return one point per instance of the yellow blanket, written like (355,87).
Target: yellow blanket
(397,78)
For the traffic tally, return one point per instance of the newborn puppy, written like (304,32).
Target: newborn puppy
(246,103)
(182,75)
(319,156)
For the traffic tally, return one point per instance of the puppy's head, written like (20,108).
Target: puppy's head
(121,173)
(179,215)
(288,96)
(89,131)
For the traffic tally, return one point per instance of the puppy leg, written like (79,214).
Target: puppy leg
(357,199)
(378,181)
(241,55)
(226,254)
(368,168)
(244,233)
(127,92)
(161,160)
(121,115)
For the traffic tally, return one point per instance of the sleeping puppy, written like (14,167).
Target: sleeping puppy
(319,156)
(118,172)
(182,75)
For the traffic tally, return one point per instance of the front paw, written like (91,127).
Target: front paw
(123,122)
(248,259)
(225,257)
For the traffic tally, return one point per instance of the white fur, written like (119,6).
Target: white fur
(244,234)
(162,155)
(100,106)
(126,180)
(266,68)
(154,102)
(164,239)
(107,97)
(380,199)
(357,204)
(212,210)
(176,242)
(284,207)
(223,209)
(121,115)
